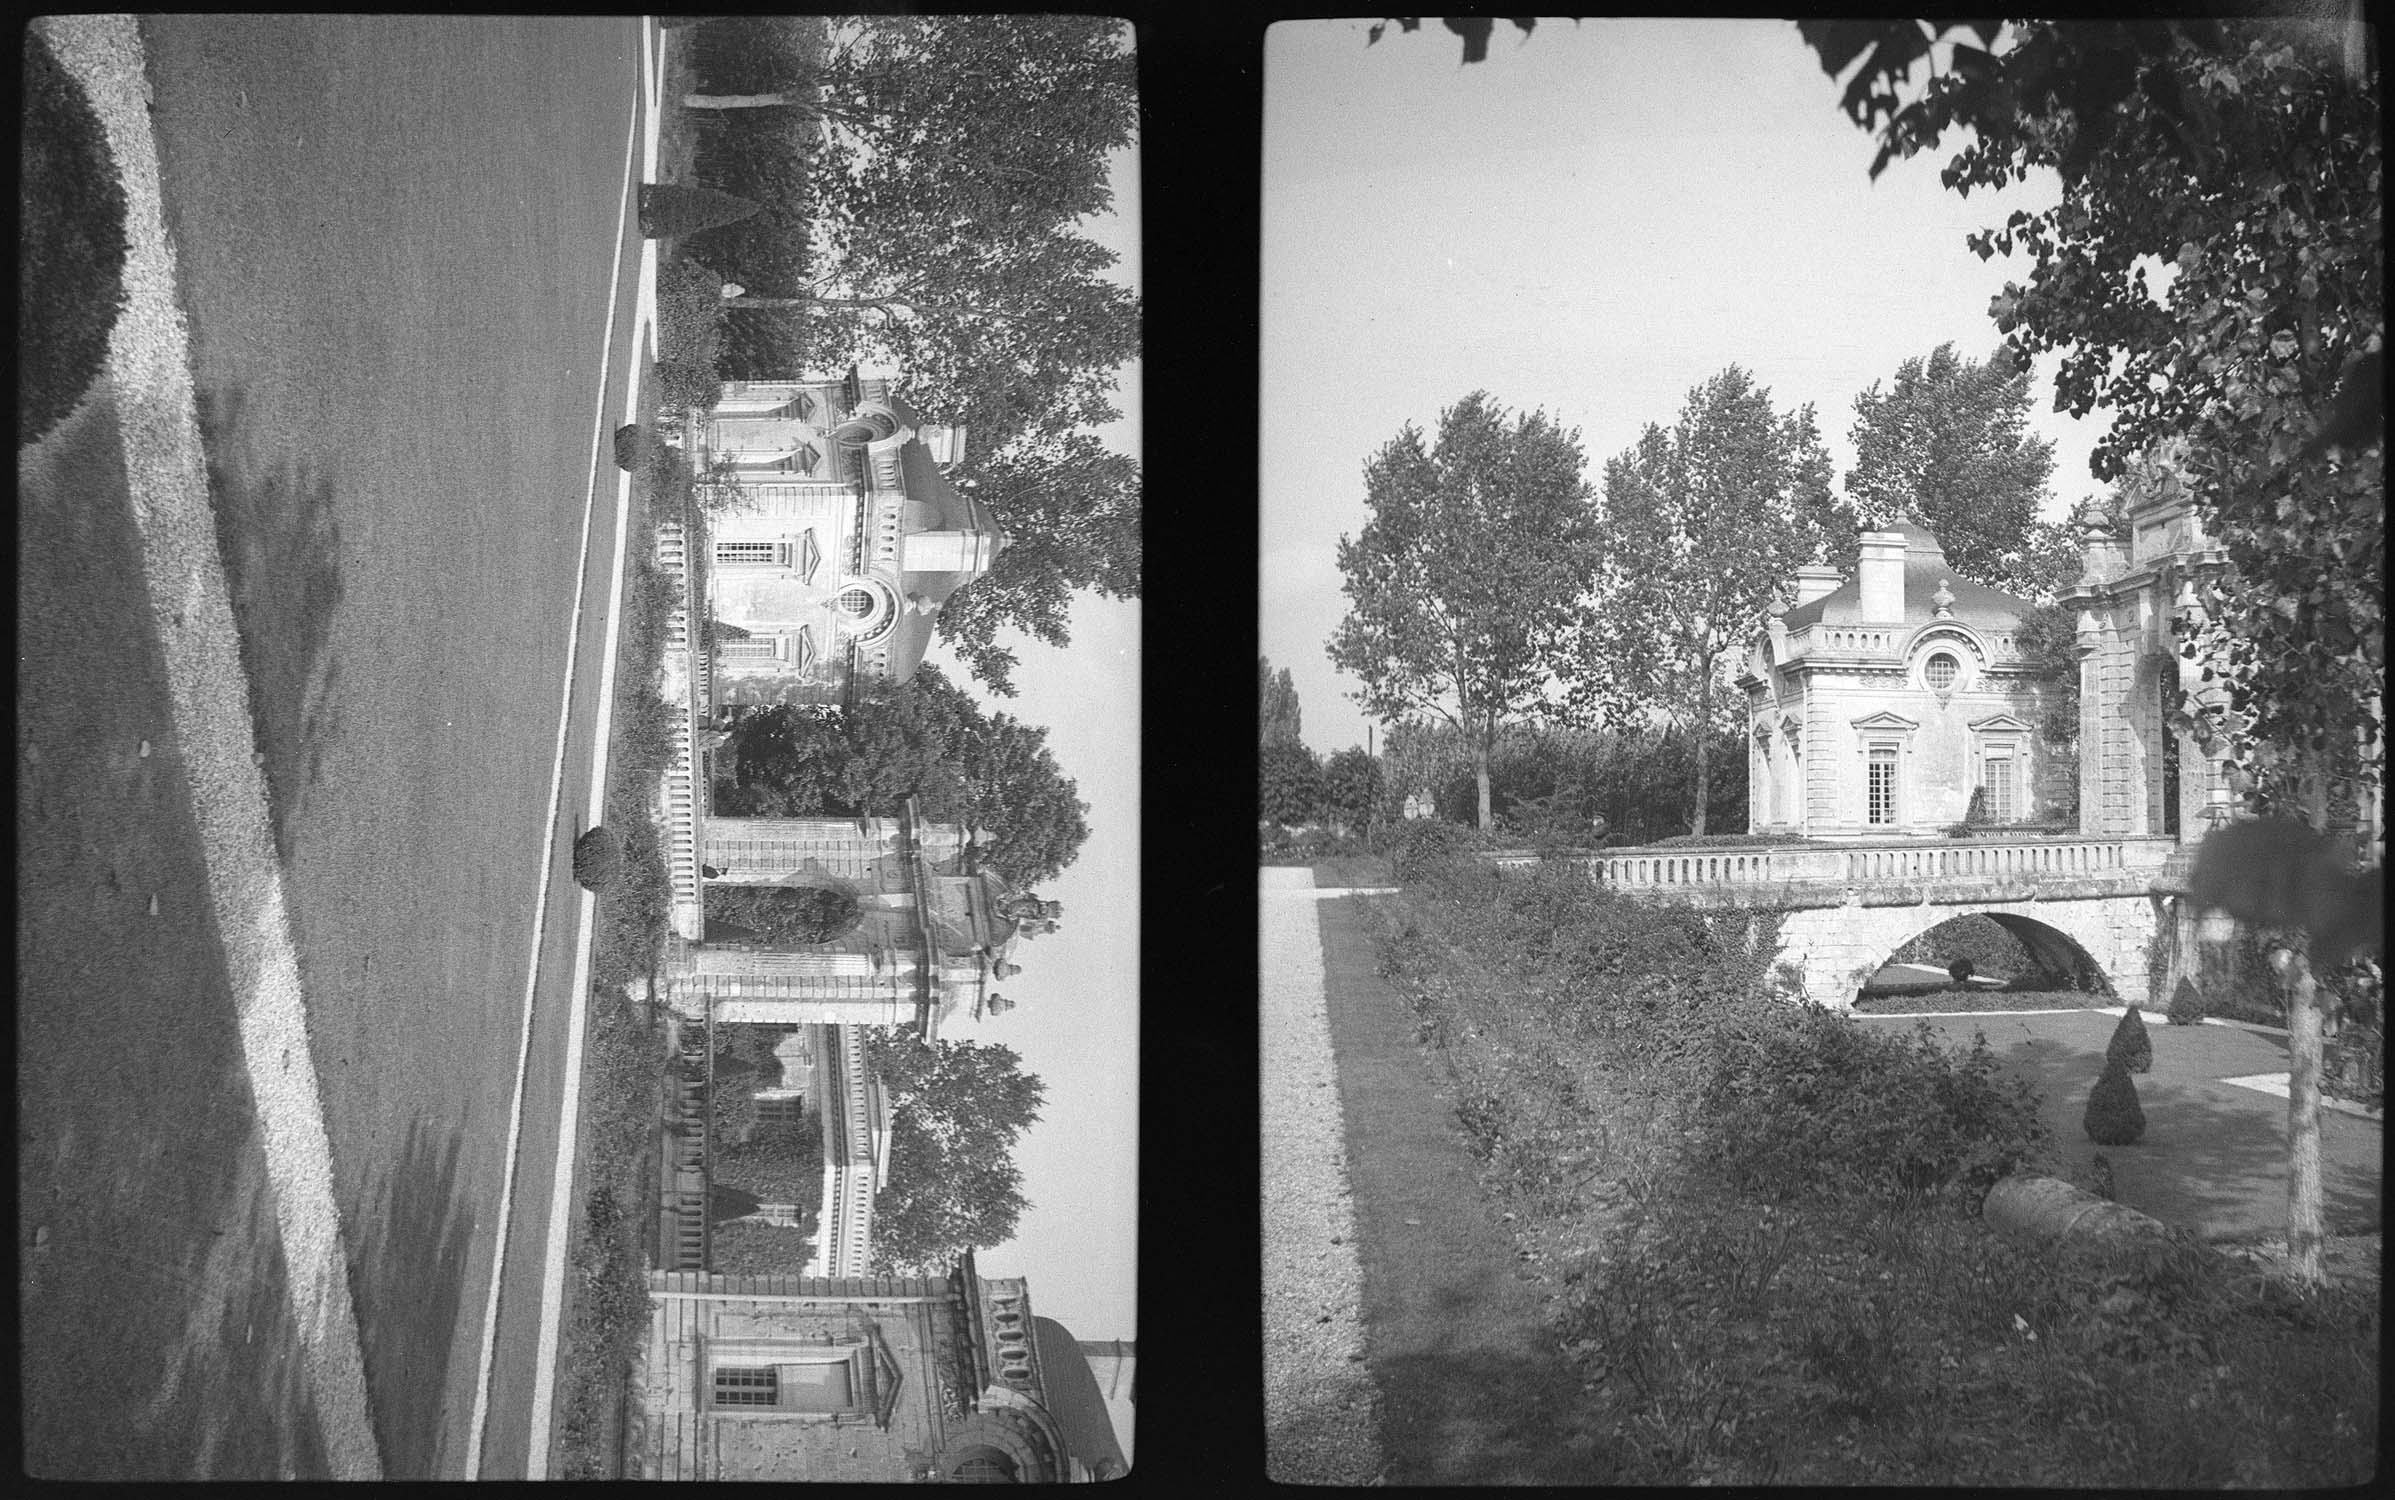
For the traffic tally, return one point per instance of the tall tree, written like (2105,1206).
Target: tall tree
(956,1110)
(1948,445)
(1070,508)
(1279,719)
(2244,156)
(1703,523)
(1016,341)
(1026,815)
(1460,585)
(957,158)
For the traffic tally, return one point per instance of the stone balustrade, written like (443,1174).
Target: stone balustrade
(1729,869)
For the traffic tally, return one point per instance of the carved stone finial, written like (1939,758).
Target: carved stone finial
(1943,599)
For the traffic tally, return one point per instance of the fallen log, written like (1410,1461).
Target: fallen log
(2049,1209)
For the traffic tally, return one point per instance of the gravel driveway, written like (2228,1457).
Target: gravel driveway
(1321,1408)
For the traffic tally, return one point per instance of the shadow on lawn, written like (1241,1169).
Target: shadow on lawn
(2214,1155)
(282,558)
(406,1273)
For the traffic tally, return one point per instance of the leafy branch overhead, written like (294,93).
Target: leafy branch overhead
(1473,29)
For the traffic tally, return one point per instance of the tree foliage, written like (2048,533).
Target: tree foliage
(1351,788)
(1289,785)
(1461,584)
(988,772)
(952,161)
(1947,445)
(1703,523)
(1279,715)
(1070,507)
(2241,159)
(1474,30)
(956,1110)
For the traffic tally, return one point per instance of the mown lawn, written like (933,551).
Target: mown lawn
(1744,1299)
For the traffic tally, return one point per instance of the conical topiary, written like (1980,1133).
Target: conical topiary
(2186,1004)
(2130,1046)
(2114,1117)
(631,446)
(598,859)
(669,209)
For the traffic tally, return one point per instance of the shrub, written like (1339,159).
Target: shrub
(648,730)
(71,245)
(598,859)
(632,442)
(2186,1004)
(2130,1047)
(683,385)
(1800,1100)
(2114,1117)
(1428,848)
(669,209)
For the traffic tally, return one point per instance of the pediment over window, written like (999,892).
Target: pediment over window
(1887,721)
(2000,724)
(807,557)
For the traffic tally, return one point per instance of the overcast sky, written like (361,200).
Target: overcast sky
(1076,1016)
(1592,221)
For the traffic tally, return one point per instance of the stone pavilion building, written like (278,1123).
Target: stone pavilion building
(1876,705)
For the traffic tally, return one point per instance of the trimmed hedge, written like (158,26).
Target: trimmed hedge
(2130,1046)
(598,859)
(2114,1117)
(632,442)
(2186,1004)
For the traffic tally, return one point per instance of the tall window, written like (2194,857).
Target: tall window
(748,554)
(746,1385)
(1882,785)
(1996,779)
(2170,748)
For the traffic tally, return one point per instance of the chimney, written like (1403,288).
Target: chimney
(946,552)
(1812,583)
(1882,575)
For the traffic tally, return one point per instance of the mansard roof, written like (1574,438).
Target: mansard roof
(1925,569)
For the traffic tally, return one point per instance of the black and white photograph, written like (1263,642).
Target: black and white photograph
(579,747)
(1821,733)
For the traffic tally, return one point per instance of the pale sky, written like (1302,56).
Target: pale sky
(1590,222)
(1076,1016)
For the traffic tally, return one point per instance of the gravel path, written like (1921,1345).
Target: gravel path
(1322,1412)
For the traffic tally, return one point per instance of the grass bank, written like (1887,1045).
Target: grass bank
(607,1303)
(1758,1228)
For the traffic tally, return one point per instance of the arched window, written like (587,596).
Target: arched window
(982,1464)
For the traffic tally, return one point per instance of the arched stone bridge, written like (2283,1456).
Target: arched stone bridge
(2077,904)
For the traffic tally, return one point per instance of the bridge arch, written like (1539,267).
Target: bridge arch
(2101,940)
(2049,956)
